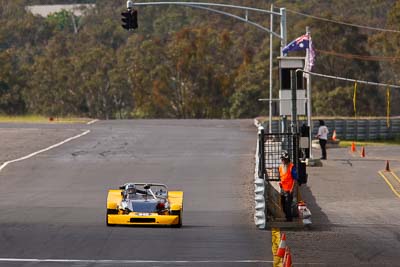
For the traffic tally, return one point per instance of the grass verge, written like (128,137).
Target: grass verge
(40,119)
(346,143)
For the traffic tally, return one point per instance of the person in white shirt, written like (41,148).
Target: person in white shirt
(323,137)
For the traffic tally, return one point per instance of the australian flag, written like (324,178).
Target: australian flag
(301,43)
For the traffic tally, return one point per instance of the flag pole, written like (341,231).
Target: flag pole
(270,68)
(309,105)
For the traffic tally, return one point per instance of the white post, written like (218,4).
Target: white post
(74,23)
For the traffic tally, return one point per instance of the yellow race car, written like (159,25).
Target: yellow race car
(144,204)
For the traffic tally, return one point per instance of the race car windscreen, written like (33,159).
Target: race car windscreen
(158,190)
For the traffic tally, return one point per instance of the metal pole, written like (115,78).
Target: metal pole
(270,69)
(283,44)
(206,6)
(309,110)
(309,104)
(283,29)
(293,86)
(261,153)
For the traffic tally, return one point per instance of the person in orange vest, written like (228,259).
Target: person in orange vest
(288,177)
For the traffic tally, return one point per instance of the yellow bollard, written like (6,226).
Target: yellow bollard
(276,238)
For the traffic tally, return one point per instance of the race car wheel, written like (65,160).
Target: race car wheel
(177,212)
(110,211)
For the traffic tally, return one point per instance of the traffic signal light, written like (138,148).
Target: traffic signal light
(129,19)
(126,19)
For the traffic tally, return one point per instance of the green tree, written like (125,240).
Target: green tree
(63,20)
(387,44)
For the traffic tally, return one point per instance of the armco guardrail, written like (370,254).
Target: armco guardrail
(260,217)
(351,129)
(363,129)
(259,186)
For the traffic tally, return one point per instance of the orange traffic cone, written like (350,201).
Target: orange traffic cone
(334,135)
(387,166)
(287,260)
(363,152)
(282,245)
(353,147)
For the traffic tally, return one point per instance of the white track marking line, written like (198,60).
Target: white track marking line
(92,121)
(129,261)
(43,150)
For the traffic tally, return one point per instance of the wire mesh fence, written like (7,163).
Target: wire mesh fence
(274,145)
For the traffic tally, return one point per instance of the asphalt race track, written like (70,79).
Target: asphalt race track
(53,203)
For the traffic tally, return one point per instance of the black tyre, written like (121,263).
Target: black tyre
(110,211)
(177,212)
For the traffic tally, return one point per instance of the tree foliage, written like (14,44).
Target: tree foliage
(184,62)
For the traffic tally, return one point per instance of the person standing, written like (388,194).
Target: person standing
(288,176)
(323,137)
